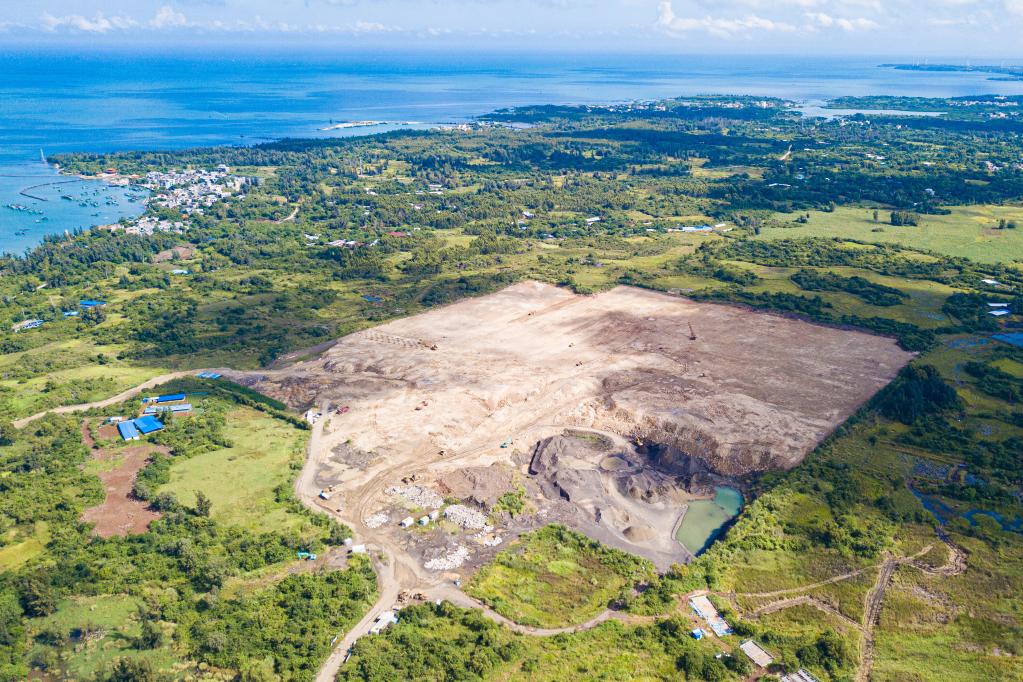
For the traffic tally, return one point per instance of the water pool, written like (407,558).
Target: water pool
(705,519)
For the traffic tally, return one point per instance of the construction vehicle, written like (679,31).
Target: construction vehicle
(343,409)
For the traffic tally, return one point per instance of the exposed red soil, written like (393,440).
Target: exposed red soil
(87,438)
(107,432)
(121,513)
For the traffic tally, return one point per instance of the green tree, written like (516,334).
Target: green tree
(202,504)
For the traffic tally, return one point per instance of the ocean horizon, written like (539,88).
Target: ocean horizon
(122,100)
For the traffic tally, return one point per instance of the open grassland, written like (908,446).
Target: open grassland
(85,635)
(18,549)
(968,231)
(555,577)
(240,480)
(964,627)
(66,372)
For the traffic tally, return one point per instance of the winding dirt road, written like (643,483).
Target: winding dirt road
(123,395)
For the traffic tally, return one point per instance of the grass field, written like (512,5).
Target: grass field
(555,577)
(240,480)
(14,555)
(85,635)
(961,628)
(65,373)
(968,231)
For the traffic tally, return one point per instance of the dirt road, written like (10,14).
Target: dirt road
(123,395)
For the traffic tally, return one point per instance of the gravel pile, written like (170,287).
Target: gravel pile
(452,559)
(377,520)
(417,495)
(488,540)
(465,517)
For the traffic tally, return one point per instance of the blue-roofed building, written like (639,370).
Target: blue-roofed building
(128,430)
(148,424)
(173,397)
(89,303)
(70,313)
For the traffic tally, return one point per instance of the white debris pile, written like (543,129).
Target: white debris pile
(486,539)
(377,520)
(465,517)
(451,560)
(417,495)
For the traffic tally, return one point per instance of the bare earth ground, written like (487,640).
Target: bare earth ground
(440,392)
(120,513)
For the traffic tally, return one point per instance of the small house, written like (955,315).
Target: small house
(148,424)
(128,431)
(756,653)
(697,633)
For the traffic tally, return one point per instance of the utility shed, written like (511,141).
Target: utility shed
(128,430)
(800,675)
(148,424)
(173,397)
(89,303)
(756,653)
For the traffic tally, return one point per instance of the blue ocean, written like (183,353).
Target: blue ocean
(115,100)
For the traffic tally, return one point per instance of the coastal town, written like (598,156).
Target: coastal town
(190,192)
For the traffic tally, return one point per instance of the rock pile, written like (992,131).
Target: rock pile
(465,517)
(449,561)
(417,495)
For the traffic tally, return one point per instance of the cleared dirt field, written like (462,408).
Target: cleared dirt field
(121,513)
(753,391)
(442,391)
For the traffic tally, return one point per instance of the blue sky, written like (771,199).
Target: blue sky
(917,28)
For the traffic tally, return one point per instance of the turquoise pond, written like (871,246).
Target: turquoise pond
(705,519)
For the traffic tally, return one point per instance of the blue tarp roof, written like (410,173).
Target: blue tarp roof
(89,303)
(170,398)
(127,430)
(148,424)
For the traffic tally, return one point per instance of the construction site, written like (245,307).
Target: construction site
(606,413)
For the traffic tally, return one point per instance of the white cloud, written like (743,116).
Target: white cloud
(168,17)
(822,20)
(670,22)
(98,24)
